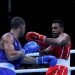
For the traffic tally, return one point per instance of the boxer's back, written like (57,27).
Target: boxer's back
(16,44)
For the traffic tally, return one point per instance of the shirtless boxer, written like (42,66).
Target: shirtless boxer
(60,45)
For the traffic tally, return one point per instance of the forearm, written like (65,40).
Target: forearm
(51,60)
(52,41)
(14,55)
(28,60)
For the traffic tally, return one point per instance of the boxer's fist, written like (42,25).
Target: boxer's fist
(48,59)
(34,36)
(31,47)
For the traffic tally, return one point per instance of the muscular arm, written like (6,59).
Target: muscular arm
(28,60)
(61,40)
(10,51)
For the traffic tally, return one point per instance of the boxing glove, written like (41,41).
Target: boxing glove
(35,36)
(48,59)
(31,47)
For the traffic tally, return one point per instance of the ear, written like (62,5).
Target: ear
(18,29)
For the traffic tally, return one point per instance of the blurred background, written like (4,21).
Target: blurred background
(38,16)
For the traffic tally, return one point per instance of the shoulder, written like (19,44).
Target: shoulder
(7,37)
(64,35)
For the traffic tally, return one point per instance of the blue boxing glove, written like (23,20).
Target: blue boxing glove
(47,59)
(31,47)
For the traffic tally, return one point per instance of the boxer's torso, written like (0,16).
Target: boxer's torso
(17,46)
(61,51)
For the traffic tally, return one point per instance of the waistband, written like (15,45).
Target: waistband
(8,66)
(63,62)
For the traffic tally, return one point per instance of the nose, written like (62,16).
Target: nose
(53,30)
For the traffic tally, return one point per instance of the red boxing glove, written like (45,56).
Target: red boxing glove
(35,36)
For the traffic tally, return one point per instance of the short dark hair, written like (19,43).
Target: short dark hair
(61,24)
(17,22)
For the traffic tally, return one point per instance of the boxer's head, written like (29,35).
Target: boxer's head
(18,24)
(57,28)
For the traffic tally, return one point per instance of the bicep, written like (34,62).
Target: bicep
(7,43)
(9,49)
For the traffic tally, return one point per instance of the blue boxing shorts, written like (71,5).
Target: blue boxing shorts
(7,69)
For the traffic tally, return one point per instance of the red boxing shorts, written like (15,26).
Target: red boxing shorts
(61,68)
(57,70)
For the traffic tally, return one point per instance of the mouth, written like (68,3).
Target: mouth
(54,34)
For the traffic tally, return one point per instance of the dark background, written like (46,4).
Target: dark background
(39,15)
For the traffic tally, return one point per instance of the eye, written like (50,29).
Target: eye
(54,27)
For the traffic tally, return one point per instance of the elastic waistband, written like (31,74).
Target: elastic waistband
(7,65)
(62,62)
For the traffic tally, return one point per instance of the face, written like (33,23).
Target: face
(56,29)
(22,30)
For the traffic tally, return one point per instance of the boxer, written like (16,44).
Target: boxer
(60,45)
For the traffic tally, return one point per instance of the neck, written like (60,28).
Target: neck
(15,33)
(61,32)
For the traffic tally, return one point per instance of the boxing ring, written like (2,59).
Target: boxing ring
(43,69)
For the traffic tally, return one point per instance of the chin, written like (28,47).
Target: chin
(54,36)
